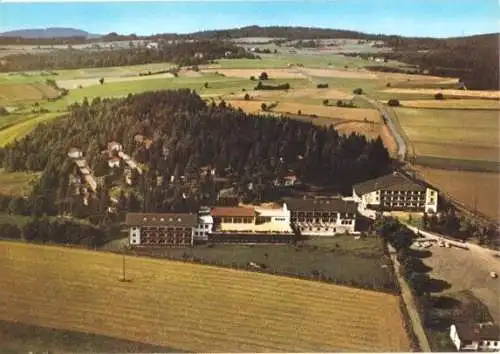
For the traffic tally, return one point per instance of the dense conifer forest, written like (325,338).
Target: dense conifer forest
(184,54)
(248,152)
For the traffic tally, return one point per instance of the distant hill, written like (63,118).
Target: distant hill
(51,32)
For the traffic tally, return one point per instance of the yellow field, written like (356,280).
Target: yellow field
(359,114)
(449,92)
(452,104)
(191,307)
(247,106)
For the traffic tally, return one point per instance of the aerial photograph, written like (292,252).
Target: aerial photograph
(249,176)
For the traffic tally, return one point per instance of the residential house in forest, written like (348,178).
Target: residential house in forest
(75,153)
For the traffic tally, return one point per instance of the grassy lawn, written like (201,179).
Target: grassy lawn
(17,183)
(342,258)
(18,220)
(458,134)
(192,307)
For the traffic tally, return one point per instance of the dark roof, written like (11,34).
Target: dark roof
(395,181)
(157,219)
(232,211)
(477,331)
(321,204)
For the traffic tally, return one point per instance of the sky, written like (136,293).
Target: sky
(433,18)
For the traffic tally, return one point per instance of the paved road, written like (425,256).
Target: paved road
(411,307)
(400,142)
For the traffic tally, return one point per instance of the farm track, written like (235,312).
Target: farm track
(192,307)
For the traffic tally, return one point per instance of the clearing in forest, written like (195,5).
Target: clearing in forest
(192,307)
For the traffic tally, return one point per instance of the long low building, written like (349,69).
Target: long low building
(394,192)
(161,229)
(322,216)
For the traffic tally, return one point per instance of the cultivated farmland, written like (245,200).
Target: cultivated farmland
(458,134)
(11,93)
(449,93)
(453,104)
(191,307)
(473,189)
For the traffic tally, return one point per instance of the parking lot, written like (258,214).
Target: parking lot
(461,269)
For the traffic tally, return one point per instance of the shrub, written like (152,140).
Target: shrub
(247,97)
(325,102)
(3,111)
(393,102)
(263,76)
(263,106)
(322,86)
(388,84)
(299,112)
(357,91)
(252,78)
(340,103)
(439,96)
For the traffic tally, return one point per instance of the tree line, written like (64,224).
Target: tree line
(183,53)
(248,152)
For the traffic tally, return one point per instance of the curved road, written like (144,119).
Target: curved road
(400,142)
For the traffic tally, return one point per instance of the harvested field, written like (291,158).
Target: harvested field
(452,104)
(359,74)
(358,114)
(247,106)
(72,84)
(466,186)
(460,134)
(246,73)
(449,93)
(192,307)
(25,92)
(370,130)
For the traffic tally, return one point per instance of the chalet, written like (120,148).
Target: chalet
(163,230)
(114,162)
(198,55)
(228,53)
(114,146)
(394,192)
(322,216)
(475,337)
(289,181)
(75,153)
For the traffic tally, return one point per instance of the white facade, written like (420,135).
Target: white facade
(135,235)
(203,228)
(114,146)
(431,200)
(340,226)
(279,216)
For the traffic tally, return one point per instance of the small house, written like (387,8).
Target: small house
(75,153)
(198,55)
(478,337)
(289,181)
(152,45)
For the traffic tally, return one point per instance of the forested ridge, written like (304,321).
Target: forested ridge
(474,59)
(184,53)
(249,151)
